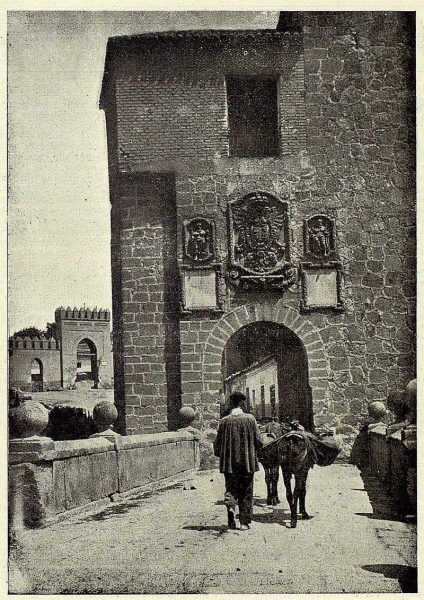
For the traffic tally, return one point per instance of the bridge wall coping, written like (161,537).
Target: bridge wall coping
(47,479)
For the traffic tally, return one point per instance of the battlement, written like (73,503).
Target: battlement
(34,343)
(95,314)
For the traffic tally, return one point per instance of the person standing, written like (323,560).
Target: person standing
(236,445)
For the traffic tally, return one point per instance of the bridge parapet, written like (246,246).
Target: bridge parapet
(47,479)
(392,453)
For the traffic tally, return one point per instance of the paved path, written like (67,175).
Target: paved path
(175,541)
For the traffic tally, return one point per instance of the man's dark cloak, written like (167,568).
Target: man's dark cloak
(236,443)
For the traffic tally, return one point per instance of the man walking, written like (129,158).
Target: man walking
(236,444)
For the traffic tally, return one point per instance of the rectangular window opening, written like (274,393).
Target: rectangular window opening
(252,117)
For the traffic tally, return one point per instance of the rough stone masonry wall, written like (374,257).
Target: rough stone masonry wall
(360,171)
(360,107)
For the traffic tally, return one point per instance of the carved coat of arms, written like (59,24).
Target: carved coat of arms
(259,243)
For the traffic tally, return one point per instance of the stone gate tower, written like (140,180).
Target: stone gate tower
(80,350)
(88,330)
(263,196)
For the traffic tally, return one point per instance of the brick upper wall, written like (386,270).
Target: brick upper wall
(171,119)
(172,107)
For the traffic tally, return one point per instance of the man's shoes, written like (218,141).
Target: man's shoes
(244,527)
(231,520)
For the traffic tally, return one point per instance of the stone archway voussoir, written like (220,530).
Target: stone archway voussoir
(311,337)
(263,312)
(239,319)
(315,374)
(242,315)
(214,339)
(225,328)
(232,322)
(302,330)
(289,317)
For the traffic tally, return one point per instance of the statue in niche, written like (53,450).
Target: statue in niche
(198,240)
(259,243)
(319,237)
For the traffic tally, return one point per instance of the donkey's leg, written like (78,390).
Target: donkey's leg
(289,495)
(276,478)
(274,473)
(296,496)
(302,495)
(268,481)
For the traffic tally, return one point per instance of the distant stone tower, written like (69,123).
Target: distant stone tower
(85,351)
(81,351)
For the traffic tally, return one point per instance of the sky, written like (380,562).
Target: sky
(58,206)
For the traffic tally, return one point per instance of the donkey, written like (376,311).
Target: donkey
(294,452)
(271,431)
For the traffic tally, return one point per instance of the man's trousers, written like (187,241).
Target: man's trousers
(239,489)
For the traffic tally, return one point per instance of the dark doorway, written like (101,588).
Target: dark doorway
(37,375)
(269,361)
(86,361)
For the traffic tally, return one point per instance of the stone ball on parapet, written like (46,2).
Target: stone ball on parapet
(377,411)
(29,419)
(104,415)
(186,416)
(411,395)
(17,397)
(396,404)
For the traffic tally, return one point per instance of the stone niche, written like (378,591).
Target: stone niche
(319,238)
(199,241)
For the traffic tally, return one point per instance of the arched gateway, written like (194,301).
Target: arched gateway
(303,336)
(86,367)
(37,375)
(268,362)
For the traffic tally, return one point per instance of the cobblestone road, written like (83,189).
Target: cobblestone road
(175,541)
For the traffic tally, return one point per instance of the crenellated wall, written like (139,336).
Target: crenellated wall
(58,356)
(75,325)
(21,355)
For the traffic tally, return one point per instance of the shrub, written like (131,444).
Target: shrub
(69,423)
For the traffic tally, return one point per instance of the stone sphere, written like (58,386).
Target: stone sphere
(104,415)
(377,410)
(30,418)
(187,415)
(411,395)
